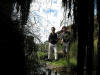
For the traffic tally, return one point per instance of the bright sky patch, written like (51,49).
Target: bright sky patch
(47,13)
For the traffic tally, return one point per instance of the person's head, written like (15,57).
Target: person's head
(64,28)
(53,29)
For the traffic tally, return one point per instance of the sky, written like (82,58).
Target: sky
(47,14)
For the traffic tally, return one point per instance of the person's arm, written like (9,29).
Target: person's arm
(49,38)
(58,37)
(61,38)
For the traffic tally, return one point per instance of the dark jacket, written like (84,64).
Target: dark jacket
(66,36)
(53,39)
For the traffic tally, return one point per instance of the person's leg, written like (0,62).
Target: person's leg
(67,52)
(55,52)
(65,47)
(49,51)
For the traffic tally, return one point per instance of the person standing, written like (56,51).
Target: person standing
(65,38)
(53,39)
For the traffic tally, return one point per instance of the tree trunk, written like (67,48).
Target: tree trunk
(11,42)
(98,56)
(82,21)
(90,43)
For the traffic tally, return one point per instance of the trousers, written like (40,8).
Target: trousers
(65,47)
(50,50)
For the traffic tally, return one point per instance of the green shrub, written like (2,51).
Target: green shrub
(73,61)
(95,46)
(73,49)
(60,62)
(41,54)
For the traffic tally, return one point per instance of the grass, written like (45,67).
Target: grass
(63,62)
(72,60)
(60,62)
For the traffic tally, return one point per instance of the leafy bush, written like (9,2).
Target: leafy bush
(41,55)
(73,61)
(60,62)
(95,46)
(73,49)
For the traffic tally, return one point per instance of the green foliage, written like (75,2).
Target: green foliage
(73,61)
(95,46)
(41,54)
(96,29)
(61,62)
(73,49)
(72,53)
